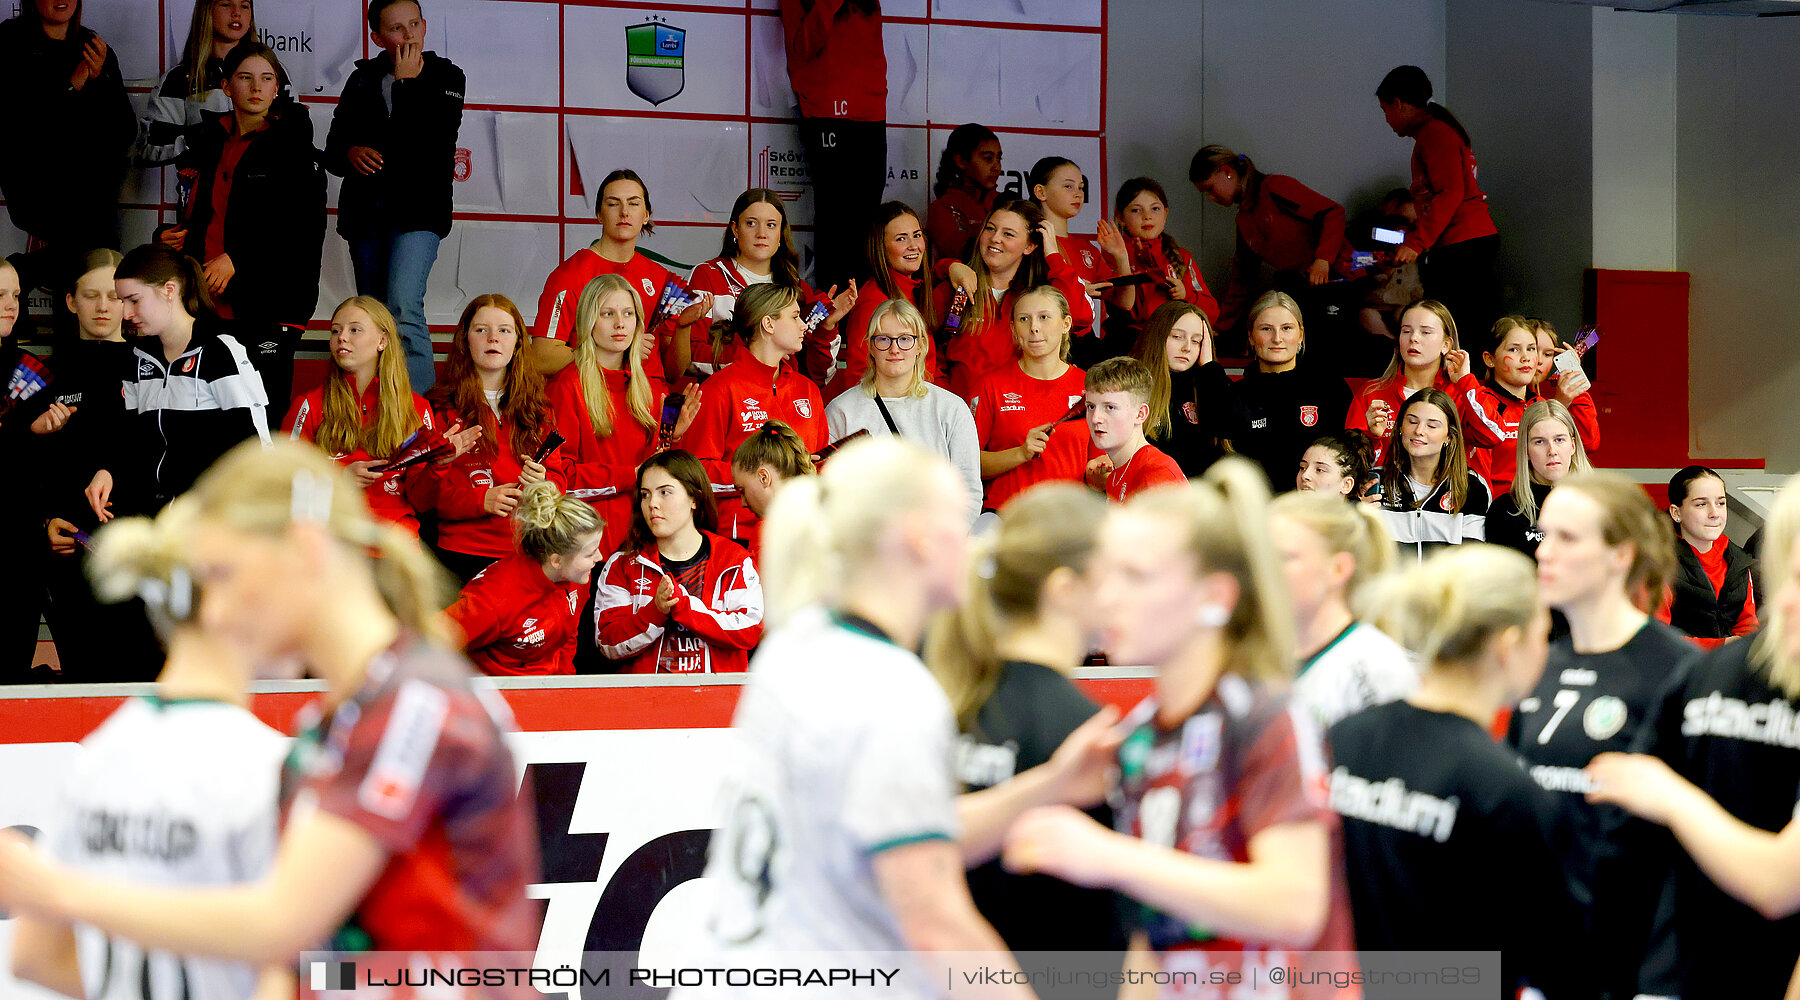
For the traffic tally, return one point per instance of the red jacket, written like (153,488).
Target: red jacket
(1490,419)
(1285,224)
(464,525)
(722,277)
(1148,257)
(603,471)
(562,295)
(396,497)
(1394,394)
(1448,198)
(981,347)
(954,219)
(835,60)
(515,621)
(726,615)
(742,397)
(853,346)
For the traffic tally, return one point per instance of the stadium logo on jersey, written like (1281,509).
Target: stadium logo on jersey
(391,487)
(654,60)
(483,478)
(649,287)
(803,406)
(1604,718)
(574,602)
(1074,400)
(1309,416)
(465,164)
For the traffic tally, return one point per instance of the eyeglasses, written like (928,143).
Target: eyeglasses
(882,341)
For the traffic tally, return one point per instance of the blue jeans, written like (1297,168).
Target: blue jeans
(394,267)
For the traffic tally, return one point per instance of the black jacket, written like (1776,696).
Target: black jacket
(417,142)
(1278,416)
(275,221)
(1696,609)
(85,375)
(66,150)
(1199,418)
(1506,524)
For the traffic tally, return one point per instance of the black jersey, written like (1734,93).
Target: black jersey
(1724,728)
(1436,813)
(1506,523)
(1032,710)
(1587,704)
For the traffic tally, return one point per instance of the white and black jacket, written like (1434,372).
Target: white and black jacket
(1420,528)
(180,416)
(170,114)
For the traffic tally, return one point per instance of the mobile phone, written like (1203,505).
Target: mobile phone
(1566,362)
(1129,280)
(1393,236)
(672,410)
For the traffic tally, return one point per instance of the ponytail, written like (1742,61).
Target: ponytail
(155,264)
(1355,529)
(1447,609)
(755,304)
(552,523)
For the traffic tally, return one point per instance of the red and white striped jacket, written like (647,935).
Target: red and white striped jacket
(727,615)
(1490,419)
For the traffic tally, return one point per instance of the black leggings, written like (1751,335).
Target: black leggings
(847,161)
(1462,277)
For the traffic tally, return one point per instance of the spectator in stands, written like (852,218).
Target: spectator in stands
(1284,228)
(965,190)
(69,138)
(1429,498)
(181,355)
(1187,581)
(1005,656)
(1118,404)
(1027,412)
(678,598)
(196,83)
(1606,552)
(366,416)
(1283,400)
(625,215)
(1341,464)
(1426,356)
(894,397)
(518,616)
(1330,551)
(1143,242)
(393,141)
(766,459)
(838,69)
(1454,240)
(1059,188)
(759,249)
(1015,252)
(489,383)
(1549,448)
(1188,420)
(607,407)
(1493,408)
(257,214)
(1390,287)
(900,267)
(1472,614)
(23,590)
(1712,600)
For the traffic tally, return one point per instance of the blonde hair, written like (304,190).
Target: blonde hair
(777,446)
(1781,528)
(1224,524)
(1447,609)
(1274,299)
(552,523)
(263,489)
(910,317)
(147,558)
(1538,412)
(822,529)
(755,304)
(587,358)
(1628,516)
(1056,296)
(1046,529)
(1442,312)
(341,429)
(1344,527)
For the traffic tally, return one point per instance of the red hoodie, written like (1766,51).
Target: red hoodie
(1286,225)
(853,346)
(983,346)
(464,525)
(514,620)
(835,60)
(1393,393)
(603,471)
(396,497)
(1451,207)
(724,614)
(562,295)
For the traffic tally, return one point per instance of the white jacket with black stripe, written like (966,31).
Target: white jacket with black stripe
(1418,529)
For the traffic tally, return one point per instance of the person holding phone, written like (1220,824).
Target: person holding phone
(1454,239)
(393,141)
(1429,498)
(1023,410)
(1494,407)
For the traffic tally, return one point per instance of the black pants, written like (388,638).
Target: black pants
(1462,277)
(21,593)
(97,643)
(847,161)
(271,347)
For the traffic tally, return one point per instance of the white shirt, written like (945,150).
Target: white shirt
(1360,668)
(180,793)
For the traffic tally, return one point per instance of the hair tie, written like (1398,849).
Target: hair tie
(987,567)
(173,597)
(310,499)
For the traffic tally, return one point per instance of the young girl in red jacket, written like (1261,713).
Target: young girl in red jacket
(900,268)
(1019,408)
(759,250)
(1143,243)
(1017,251)
(624,214)
(1427,355)
(1491,410)
(679,598)
(518,616)
(963,193)
(607,406)
(488,382)
(366,413)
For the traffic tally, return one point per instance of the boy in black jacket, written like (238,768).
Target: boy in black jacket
(393,140)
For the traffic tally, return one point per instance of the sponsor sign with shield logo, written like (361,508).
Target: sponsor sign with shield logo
(653,60)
